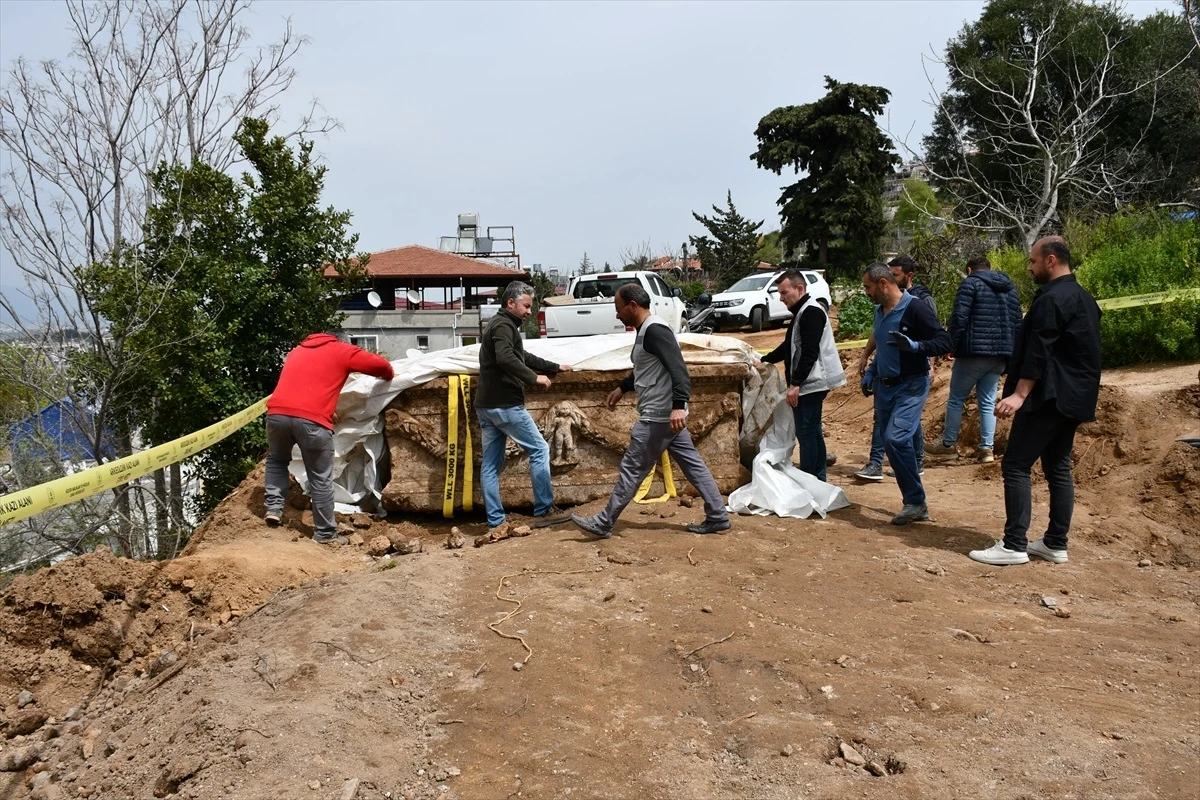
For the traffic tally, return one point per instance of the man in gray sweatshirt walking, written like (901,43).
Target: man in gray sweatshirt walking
(663,387)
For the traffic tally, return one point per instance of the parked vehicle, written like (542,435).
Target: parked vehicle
(587,307)
(700,315)
(754,300)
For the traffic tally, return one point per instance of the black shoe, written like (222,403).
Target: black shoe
(710,526)
(592,526)
(552,511)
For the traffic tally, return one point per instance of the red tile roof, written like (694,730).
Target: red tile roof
(425,262)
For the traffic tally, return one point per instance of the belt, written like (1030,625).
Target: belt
(890,382)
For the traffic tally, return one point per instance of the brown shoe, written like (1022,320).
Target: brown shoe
(940,449)
(985,455)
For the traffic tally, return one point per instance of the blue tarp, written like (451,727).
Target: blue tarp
(56,425)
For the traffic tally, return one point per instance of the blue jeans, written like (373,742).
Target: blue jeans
(898,409)
(877,442)
(498,425)
(807,414)
(316,448)
(980,373)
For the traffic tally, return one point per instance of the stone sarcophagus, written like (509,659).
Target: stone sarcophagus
(586,438)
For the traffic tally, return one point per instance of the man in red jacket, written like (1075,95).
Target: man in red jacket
(300,413)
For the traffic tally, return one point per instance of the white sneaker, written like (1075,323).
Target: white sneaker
(999,555)
(1038,548)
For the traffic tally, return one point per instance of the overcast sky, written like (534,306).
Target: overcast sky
(586,126)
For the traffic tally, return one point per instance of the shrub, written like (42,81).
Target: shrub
(856,315)
(1127,254)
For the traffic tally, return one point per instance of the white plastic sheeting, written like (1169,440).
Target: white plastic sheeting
(776,486)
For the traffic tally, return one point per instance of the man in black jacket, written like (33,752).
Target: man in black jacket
(811,367)
(1053,384)
(899,378)
(505,369)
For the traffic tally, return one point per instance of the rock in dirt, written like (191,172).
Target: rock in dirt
(496,534)
(25,698)
(876,769)
(89,742)
(621,558)
(162,662)
(16,759)
(1145,562)
(522,530)
(409,546)
(350,789)
(360,521)
(1049,602)
(355,539)
(787,750)
(685,501)
(851,755)
(455,540)
(378,546)
(26,722)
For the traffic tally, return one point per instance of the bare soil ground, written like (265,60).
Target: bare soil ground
(812,658)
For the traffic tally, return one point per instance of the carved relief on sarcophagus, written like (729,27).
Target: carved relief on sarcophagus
(585,437)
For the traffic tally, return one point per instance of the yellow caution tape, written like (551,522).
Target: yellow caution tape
(468,454)
(19,505)
(668,484)
(451,448)
(1154,298)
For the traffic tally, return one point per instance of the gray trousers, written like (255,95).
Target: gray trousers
(316,448)
(647,441)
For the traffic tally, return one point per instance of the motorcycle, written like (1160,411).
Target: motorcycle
(700,315)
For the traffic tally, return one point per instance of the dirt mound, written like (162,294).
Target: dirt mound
(791,658)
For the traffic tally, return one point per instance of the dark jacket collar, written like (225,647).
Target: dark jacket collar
(798,306)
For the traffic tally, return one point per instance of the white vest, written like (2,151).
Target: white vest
(827,374)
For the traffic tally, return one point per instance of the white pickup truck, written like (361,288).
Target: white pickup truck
(587,308)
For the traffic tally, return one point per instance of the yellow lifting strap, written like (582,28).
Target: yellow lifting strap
(451,447)
(668,484)
(468,454)
(458,383)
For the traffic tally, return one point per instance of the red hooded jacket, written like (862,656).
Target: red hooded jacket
(313,376)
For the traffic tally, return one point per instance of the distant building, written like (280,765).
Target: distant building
(421,298)
(893,185)
(675,266)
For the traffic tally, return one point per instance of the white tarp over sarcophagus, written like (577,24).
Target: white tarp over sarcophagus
(391,440)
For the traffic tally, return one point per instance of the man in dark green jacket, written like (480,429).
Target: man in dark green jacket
(505,369)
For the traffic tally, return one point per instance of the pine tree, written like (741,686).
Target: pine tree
(729,251)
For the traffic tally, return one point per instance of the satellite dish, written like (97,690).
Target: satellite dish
(374,299)
(414,297)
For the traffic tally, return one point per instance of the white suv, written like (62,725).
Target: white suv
(755,300)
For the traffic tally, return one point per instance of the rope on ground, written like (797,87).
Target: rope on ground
(493,625)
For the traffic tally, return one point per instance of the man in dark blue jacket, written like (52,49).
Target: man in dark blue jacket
(983,327)
(899,378)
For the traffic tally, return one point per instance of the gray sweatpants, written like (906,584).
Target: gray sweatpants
(316,448)
(647,441)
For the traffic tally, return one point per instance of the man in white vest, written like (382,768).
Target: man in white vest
(663,388)
(811,367)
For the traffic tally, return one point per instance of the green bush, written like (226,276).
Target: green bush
(855,317)
(1127,254)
